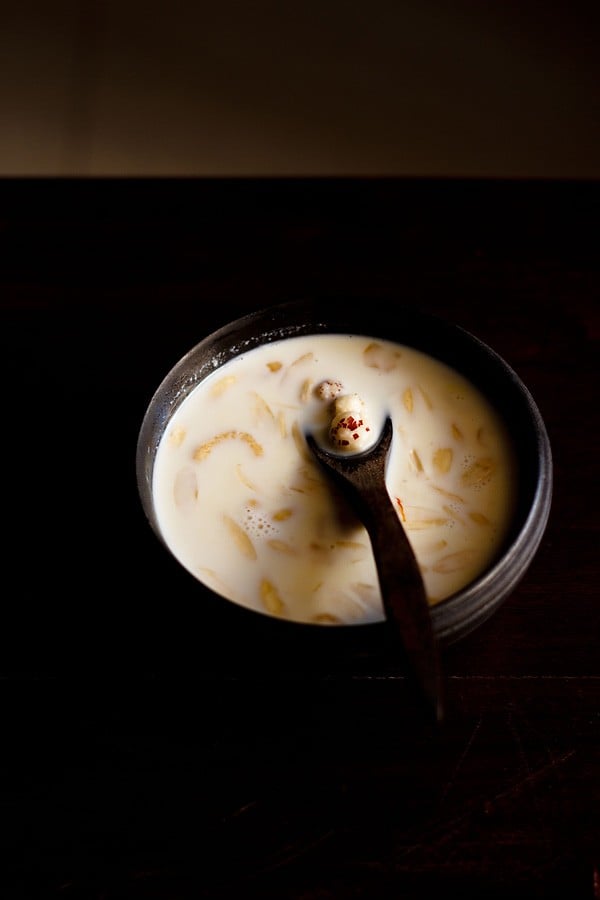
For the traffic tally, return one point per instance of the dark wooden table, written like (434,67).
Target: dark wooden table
(159,744)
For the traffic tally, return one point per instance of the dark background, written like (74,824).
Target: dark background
(398,87)
(157,743)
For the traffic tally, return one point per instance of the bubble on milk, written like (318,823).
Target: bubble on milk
(259,524)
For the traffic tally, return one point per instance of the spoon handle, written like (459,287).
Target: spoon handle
(361,480)
(402,590)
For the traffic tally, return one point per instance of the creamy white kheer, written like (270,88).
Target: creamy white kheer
(243,505)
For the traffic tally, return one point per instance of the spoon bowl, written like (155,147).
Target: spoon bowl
(360,478)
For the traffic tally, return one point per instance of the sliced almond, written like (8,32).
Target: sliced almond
(325,618)
(426,398)
(282,424)
(306,357)
(282,514)
(185,490)
(376,356)
(177,437)
(281,547)
(478,473)
(453,562)
(221,386)
(240,537)
(261,408)
(244,478)
(419,518)
(270,598)
(305,390)
(416,460)
(453,514)
(449,494)
(442,459)
(300,442)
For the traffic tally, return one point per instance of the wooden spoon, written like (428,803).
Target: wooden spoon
(361,479)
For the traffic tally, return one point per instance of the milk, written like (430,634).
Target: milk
(244,507)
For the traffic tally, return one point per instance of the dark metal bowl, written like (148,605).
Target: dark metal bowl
(465,610)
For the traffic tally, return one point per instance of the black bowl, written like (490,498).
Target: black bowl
(459,614)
